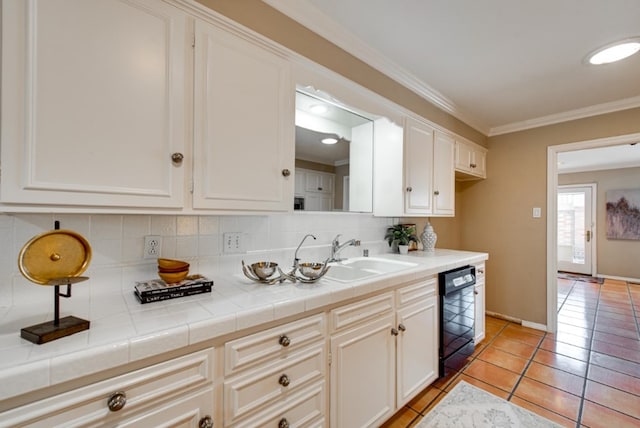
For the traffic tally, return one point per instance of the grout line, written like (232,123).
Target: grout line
(586,373)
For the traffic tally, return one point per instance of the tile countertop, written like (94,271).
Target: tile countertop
(124,331)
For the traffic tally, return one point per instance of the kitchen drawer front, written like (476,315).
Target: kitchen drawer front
(88,406)
(358,312)
(304,409)
(417,292)
(274,343)
(257,388)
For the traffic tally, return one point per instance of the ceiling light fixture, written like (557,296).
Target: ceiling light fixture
(319,109)
(614,51)
(329,140)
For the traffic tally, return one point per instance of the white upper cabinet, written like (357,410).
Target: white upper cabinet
(428,170)
(244,127)
(444,186)
(93,103)
(470,160)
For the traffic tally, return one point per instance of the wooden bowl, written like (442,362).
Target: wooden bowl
(173,277)
(170,265)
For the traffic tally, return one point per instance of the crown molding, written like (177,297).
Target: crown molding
(318,22)
(566,116)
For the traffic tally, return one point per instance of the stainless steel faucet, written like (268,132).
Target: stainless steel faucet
(296,260)
(336,247)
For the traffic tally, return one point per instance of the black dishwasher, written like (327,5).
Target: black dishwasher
(457,318)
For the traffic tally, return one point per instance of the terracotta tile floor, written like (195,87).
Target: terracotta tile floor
(585,375)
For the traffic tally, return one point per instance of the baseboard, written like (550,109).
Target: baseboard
(534,325)
(524,323)
(503,317)
(619,278)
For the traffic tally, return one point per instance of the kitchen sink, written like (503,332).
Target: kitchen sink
(364,267)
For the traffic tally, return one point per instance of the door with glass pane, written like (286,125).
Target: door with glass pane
(575,229)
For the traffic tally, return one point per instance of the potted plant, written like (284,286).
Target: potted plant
(399,236)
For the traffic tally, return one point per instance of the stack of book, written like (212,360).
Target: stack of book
(155,290)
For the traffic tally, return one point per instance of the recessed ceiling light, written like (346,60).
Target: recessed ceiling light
(329,140)
(614,52)
(319,109)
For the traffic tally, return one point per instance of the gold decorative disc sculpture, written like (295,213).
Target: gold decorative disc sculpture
(55,258)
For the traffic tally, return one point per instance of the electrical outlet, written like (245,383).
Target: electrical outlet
(152,246)
(233,243)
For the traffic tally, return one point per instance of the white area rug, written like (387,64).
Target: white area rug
(466,406)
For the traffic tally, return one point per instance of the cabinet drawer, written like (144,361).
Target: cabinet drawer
(349,315)
(416,292)
(88,406)
(304,409)
(266,384)
(268,345)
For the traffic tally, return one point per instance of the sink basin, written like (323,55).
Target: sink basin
(378,265)
(364,267)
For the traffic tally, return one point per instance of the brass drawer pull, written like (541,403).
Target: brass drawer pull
(284,380)
(284,341)
(117,401)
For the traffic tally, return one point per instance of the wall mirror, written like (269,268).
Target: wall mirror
(334,155)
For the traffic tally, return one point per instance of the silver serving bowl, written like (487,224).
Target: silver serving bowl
(264,270)
(312,270)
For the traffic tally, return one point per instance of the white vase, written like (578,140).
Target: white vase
(428,238)
(404,249)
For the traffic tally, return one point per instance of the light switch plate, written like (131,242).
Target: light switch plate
(537,212)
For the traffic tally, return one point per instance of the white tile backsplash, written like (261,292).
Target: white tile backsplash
(117,243)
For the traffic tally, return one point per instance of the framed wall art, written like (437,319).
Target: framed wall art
(623,214)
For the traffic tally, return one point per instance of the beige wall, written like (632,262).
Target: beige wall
(614,257)
(497,211)
(492,215)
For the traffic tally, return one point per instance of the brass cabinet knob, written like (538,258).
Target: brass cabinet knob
(284,341)
(394,332)
(401,327)
(206,422)
(284,380)
(409,189)
(284,423)
(117,401)
(177,158)
(437,192)
(286,172)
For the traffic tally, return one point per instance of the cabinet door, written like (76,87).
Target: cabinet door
(363,374)
(318,202)
(464,155)
(244,124)
(480,163)
(417,348)
(443,175)
(300,182)
(91,115)
(418,167)
(319,182)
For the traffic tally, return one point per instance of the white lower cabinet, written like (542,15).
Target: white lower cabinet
(417,345)
(363,361)
(175,393)
(276,377)
(384,350)
(480,302)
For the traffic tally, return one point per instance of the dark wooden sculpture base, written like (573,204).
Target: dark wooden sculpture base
(48,331)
